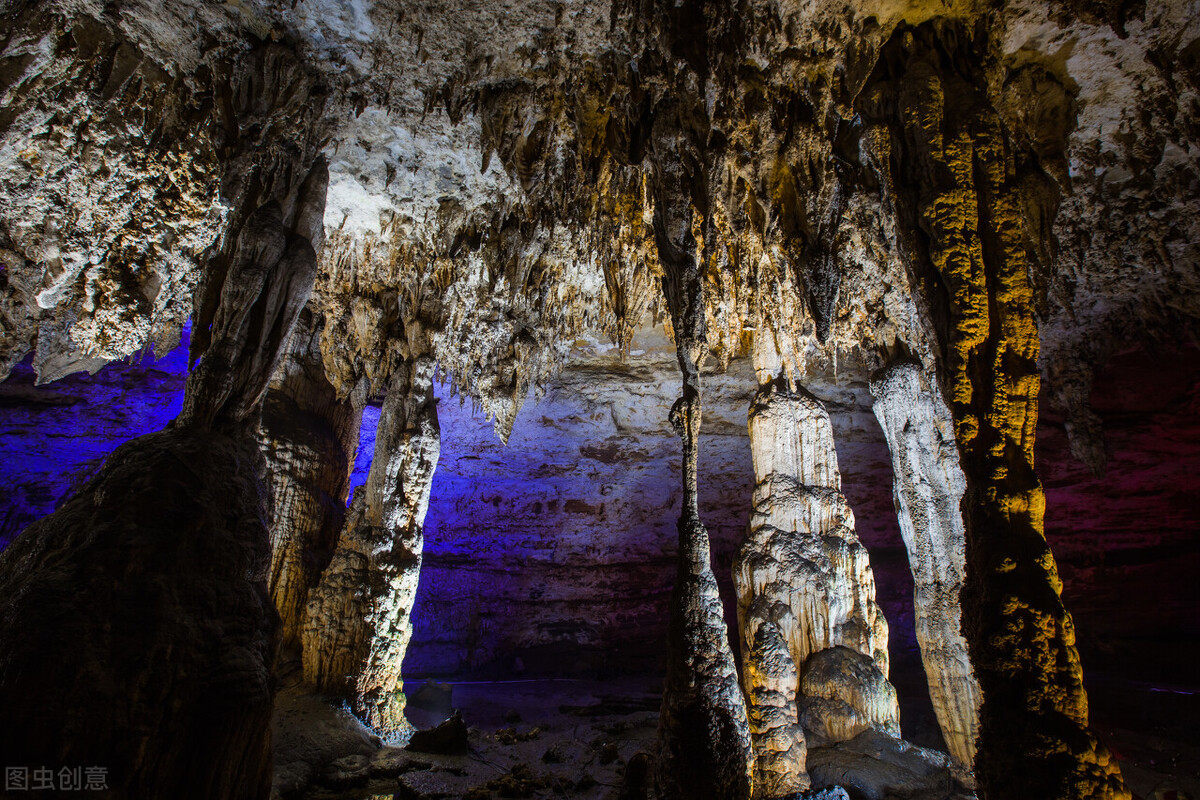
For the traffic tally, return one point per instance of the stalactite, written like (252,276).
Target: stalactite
(308,437)
(979,202)
(814,649)
(928,487)
(358,624)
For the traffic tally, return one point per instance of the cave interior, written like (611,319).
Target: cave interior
(655,400)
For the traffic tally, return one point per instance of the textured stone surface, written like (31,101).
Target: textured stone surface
(983,203)
(928,487)
(814,652)
(137,630)
(513,175)
(876,766)
(845,693)
(359,618)
(266,282)
(308,438)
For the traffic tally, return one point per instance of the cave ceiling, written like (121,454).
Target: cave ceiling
(505,176)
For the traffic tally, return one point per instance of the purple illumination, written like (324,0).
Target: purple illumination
(53,437)
(366,450)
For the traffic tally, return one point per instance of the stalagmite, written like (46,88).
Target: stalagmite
(982,202)
(308,436)
(928,487)
(814,641)
(358,624)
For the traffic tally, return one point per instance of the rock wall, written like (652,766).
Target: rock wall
(138,634)
(157,567)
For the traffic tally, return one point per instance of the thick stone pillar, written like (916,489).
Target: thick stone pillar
(814,650)
(928,485)
(308,437)
(973,207)
(358,624)
(136,632)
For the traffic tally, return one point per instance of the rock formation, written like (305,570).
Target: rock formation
(308,437)
(814,653)
(928,487)
(358,623)
(138,634)
(1003,192)
(704,741)
(156,567)
(982,204)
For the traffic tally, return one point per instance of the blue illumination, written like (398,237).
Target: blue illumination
(366,450)
(53,437)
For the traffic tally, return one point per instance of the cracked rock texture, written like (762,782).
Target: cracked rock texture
(929,486)
(359,618)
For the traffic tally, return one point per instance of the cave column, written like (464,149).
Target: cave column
(928,486)
(814,649)
(704,740)
(359,622)
(308,437)
(152,577)
(975,208)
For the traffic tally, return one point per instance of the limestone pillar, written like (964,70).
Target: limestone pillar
(308,437)
(358,625)
(928,486)
(814,642)
(704,740)
(973,206)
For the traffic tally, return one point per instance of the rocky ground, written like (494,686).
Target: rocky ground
(578,739)
(539,739)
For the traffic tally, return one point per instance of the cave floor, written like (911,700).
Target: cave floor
(527,738)
(559,738)
(538,738)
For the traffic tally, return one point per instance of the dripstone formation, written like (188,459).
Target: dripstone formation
(969,206)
